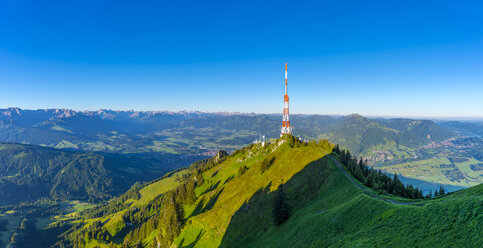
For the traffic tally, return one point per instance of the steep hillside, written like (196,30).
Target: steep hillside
(472,129)
(29,172)
(228,201)
(401,136)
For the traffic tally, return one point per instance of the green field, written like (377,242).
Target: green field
(440,170)
(71,208)
(149,192)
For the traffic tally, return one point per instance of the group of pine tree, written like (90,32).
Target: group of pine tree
(165,213)
(378,180)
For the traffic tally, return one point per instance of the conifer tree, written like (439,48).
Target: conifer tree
(441,190)
(281,210)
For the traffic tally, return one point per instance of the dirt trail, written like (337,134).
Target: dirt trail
(341,168)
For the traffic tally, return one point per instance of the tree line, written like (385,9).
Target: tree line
(379,181)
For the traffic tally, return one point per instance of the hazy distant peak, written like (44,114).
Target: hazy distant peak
(356,117)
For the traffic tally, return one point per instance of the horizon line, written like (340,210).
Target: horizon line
(255,113)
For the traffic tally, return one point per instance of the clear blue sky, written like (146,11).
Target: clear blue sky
(397,58)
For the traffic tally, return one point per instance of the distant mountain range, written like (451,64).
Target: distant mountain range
(183,132)
(473,129)
(188,135)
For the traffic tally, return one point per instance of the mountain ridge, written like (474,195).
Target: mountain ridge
(29,173)
(233,200)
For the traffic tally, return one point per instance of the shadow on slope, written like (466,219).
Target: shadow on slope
(318,179)
(193,244)
(327,210)
(201,207)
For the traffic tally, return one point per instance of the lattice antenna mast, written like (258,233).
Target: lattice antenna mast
(286,127)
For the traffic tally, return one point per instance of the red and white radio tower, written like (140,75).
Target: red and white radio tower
(286,127)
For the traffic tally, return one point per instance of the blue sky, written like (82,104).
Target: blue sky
(393,58)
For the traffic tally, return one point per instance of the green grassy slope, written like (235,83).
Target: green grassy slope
(233,209)
(218,198)
(213,220)
(341,215)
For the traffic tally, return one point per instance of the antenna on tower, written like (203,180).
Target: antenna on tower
(286,127)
